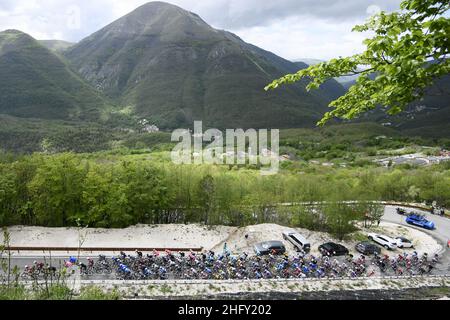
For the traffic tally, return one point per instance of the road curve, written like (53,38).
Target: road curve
(441,233)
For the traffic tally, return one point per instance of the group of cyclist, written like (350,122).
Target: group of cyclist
(406,264)
(39,269)
(224,266)
(209,265)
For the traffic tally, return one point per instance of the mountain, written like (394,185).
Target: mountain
(427,117)
(332,88)
(57,46)
(346,82)
(173,68)
(309,61)
(36,83)
(430,116)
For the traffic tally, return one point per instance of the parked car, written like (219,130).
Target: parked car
(401,211)
(383,240)
(367,248)
(268,247)
(420,221)
(333,249)
(297,240)
(403,243)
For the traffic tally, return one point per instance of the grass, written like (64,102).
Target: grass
(14,293)
(95,293)
(56,292)
(291,287)
(214,288)
(442,291)
(165,289)
(358,236)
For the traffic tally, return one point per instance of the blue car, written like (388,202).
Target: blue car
(420,221)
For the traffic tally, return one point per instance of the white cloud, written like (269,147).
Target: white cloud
(289,28)
(299,37)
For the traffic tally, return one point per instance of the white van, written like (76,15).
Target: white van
(297,240)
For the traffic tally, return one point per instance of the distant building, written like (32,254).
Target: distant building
(444,153)
(412,159)
(150,129)
(327,164)
(147,127)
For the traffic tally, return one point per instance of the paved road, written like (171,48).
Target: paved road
(442,234)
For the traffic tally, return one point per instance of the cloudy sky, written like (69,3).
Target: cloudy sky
(293,29)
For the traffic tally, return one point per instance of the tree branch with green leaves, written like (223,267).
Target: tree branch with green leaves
(408,51)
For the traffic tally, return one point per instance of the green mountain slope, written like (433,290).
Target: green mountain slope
(57,46)
(36,83)
(428,117)
(173,68)
(332,89)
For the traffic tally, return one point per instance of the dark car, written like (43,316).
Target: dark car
(333,249)
(268,247)
(367,248)
(401,211)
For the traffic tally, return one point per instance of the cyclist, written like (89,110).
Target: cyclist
(147,273)
(267,273)
(435,258)
(305,270)
(39,265)
(29,270)
(162,270)
(83,268)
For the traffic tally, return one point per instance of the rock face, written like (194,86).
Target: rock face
(35,83)
(174,68)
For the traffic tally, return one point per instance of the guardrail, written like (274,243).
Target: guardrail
(412,205)
(385,203)
(99,249)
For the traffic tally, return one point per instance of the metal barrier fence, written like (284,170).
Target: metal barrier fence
(99,249)
(385,203)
